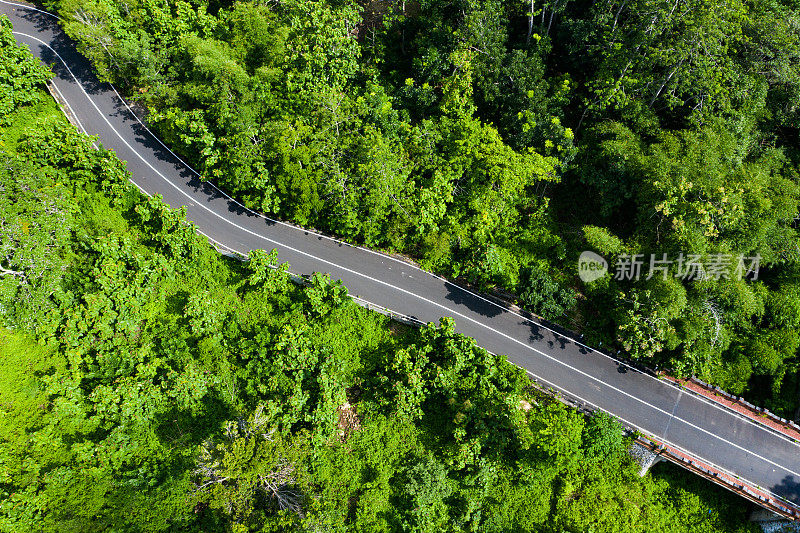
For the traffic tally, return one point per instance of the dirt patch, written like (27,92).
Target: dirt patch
(397,329)
(348,420)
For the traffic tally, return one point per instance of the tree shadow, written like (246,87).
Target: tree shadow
(474,303)
(788,488)
(62,45)
(182,428)
(536,331)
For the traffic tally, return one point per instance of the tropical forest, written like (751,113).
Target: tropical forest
(149,383)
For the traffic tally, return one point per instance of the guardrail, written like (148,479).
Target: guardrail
(756,495)
(731,482)
(400,317)
(394,315)
(753,493)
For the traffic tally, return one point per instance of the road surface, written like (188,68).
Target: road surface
(697,426)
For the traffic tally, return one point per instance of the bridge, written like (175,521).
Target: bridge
(673,421)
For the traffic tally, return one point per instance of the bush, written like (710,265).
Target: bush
(541,294)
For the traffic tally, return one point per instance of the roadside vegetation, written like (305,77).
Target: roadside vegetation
(495,141)
(149,384)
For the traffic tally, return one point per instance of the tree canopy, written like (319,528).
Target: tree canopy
(148,383)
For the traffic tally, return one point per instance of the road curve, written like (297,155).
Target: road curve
(697,426)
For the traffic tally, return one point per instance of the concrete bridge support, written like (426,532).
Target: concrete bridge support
(644,457)
(772,523)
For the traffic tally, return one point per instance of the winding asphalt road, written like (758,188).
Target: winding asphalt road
(700,428)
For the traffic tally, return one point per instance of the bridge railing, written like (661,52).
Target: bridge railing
(755,494)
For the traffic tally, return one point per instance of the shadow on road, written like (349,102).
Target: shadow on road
(460,296)
(65,48)
(788,488)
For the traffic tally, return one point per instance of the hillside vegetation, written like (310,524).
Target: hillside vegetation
(149,384)
(495,141)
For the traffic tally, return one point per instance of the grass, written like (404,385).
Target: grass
(29,118)
(22,397)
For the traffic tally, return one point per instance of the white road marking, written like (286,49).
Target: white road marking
(528,346)
(71,111)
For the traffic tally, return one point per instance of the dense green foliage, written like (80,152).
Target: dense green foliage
(149,384)
(495,141)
